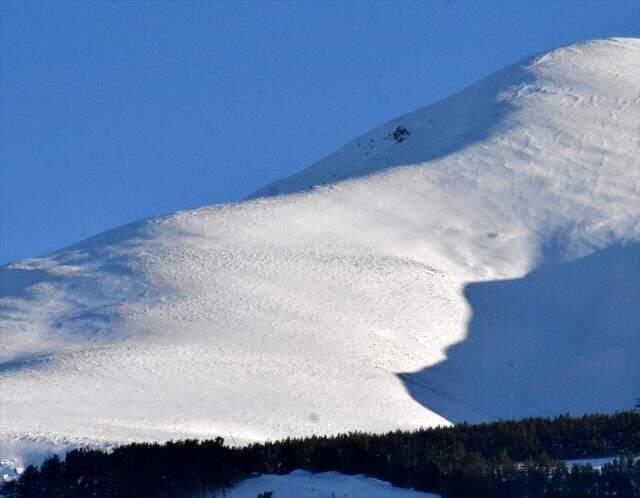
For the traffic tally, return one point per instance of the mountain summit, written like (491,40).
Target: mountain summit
(477,259)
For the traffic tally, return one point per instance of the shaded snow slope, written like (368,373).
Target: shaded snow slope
(478,261)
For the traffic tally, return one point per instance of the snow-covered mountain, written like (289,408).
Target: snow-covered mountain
(477,259)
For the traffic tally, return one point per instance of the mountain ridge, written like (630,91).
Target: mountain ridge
(295,182)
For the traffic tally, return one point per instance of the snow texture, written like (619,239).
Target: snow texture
(301,484)
(478,259)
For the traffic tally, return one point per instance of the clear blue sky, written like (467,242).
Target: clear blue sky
(113,111)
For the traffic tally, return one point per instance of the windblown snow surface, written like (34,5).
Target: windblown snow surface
(477,259)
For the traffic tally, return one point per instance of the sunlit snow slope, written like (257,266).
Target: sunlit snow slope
(477,259)
(301,484)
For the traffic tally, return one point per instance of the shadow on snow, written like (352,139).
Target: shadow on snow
(564,338)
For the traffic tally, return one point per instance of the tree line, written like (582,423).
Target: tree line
(493,460)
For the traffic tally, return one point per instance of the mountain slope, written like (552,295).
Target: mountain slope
(374,302)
